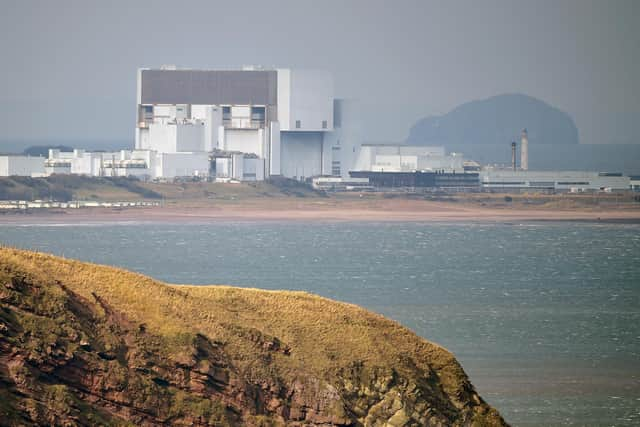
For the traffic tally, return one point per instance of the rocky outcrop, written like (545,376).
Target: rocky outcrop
(70,356)
(496,120)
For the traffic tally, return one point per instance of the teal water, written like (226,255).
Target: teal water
(545,318)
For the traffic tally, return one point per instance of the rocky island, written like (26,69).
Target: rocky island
(84,344)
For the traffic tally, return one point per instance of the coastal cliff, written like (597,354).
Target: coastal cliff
(83,344)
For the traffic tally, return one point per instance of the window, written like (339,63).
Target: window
(257,114)
(146,113)
(324,124)
(335,168)
(226,113)
(298,124)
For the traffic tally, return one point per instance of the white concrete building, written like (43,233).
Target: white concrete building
(571,181)
(144,164)
(11,165)
(284,117)
(81,162)
(407,158)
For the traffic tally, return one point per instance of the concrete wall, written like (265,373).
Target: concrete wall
(253,170)
(244,140)
(560,180)
(284,99)
(275,150)
(240,168)
(190,137)
(142,140)
(342,146)
(174,138)
(301,154)
(86,163)
(305,96)
(162,138)
(21,166)
(213,122)
(171,165)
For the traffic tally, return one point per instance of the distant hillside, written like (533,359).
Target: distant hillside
(82,344)
(496,120)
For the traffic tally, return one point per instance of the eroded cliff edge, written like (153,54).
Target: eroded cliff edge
(83,344)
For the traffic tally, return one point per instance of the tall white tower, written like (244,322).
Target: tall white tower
(524,151)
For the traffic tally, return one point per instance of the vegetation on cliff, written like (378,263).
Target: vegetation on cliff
(83,344)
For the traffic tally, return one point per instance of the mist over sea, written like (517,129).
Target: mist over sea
(545,318)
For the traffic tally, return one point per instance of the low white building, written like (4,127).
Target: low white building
(407,158)
(337,183)
(144,164)
(11,165)
(571,181)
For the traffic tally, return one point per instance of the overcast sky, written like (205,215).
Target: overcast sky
(68,67)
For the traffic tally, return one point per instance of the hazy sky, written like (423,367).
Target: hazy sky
(68,67)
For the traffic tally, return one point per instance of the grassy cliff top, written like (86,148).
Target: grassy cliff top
(320,333)
(307,335)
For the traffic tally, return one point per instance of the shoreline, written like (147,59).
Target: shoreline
(322,211)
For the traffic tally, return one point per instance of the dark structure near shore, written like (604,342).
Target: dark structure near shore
(419,179)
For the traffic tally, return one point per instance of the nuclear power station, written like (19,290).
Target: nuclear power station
(245,124)
(255,123)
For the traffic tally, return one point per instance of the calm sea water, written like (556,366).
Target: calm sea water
(545,319)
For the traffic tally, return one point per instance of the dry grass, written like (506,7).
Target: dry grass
(323,336)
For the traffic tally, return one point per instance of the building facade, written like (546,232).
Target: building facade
(567,181)
(281,120)
(16,165)
(408,158)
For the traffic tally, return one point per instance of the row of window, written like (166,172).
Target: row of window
(257,113)
(299,124)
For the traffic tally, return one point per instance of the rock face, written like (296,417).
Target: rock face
(82,344)
(496,120)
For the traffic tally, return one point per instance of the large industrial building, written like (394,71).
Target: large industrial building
(251,124)
(410,158)
(397,165)
(228,125)
(255,123)
(558,181)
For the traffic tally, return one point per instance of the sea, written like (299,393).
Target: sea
(544,317)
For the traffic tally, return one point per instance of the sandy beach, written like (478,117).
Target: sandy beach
(379,210)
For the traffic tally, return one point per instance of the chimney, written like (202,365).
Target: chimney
(524,151)
(513,155)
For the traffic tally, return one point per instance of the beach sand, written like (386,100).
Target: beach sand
(288,209)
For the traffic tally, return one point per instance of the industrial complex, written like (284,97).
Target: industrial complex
(243,125)
(253,124)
